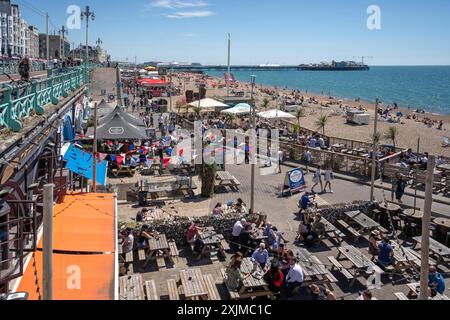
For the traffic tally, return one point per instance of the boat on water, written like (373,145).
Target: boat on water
(335,66)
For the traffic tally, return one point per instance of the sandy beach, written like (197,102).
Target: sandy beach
(409,131)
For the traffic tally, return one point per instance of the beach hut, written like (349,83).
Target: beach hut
(240,109)
(209,104)
(275,115)
(120,129)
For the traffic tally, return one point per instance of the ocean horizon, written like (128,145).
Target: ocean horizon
(414,87)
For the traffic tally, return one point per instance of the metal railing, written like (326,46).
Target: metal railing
(19,102)
(12,67)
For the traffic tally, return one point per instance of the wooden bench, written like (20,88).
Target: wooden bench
(131,288)
(233,295)
(213,293)
(150,288)
(173,290)
(174,251)
(331,278)
(356,235)
(129,257)
(383,231)
(161,262)
(400,296)
(224,245)
(142,256)
(338,265)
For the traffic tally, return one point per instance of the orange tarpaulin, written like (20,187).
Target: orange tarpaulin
(84,243)
(84,223)
(75,277)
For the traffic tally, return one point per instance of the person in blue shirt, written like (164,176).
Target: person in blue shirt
(261,257)
(305,201)
(385,252)
(435,281)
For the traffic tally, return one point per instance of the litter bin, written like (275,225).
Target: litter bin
(142,198)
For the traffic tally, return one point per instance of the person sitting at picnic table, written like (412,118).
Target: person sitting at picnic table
(306,201)
(143,236)
(218,210)
(302,231)
(128,241)
(239,205)
(274,277)
(423,161)
(281,254)
(317,228)
(141,214)
(320,293)
(236,256)
(234,277)
(261,257)
(294,278)
(236,232)
(374,237)
(245,238)
(386,251)
(365,295)
(435,281)
(279,239)
(130,162)
(193,232)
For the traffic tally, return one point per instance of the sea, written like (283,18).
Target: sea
(414,87)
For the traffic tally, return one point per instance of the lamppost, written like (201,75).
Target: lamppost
(253,165)
(62,41)
(89,14)
(374,153)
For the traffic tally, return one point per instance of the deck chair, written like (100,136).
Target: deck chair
(446,142)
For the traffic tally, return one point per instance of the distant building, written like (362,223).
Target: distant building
(96,54)
(56,44)
(15,34)
(33,51)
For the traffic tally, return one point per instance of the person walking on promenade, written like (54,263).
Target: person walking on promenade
(317,178)
(328,178)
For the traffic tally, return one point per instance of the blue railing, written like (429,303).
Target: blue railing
(19,102)
(12,67)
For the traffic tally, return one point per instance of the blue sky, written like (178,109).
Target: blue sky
(413,32)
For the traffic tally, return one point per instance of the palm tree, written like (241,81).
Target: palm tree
(391,134)
(376,138)
(321,123)
(197,111)
(299,114)
(229,118)
(265,103)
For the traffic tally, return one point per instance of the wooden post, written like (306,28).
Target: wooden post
(425,243)
(374,155)
(47,248)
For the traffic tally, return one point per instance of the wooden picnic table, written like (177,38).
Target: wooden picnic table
(254,285)
(414,291)
(437,248)
(444,167)
(158,248)
(225,179)
(257,234)
(313,269)
(193,284)
(409,213)
(131,287)
(361,265)
(331,232)
(366,224)
(124,169)
(389,207)
(442,222)
(212,242)
(404,257)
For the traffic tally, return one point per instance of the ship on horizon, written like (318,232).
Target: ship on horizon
(335,66)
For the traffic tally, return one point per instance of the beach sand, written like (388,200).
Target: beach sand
(408,133)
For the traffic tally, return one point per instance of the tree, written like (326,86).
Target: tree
(376,138)
(265,103)
(208,177)
(391,134)
(321,123)
(229,118)
(197,111)
(299,114)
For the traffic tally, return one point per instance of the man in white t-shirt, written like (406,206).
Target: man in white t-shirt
(294,278)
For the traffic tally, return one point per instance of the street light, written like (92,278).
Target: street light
(62,41)
(89,14)
(253,165)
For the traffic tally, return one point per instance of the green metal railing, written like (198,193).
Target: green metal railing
(19,102)
(12,67)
